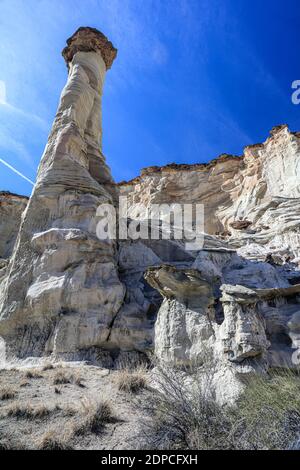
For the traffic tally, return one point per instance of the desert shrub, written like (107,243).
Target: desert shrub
(181,416)
(131,381)
(7,393)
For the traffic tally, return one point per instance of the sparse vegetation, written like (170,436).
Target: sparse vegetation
(7,393)
(10,444)
(96,415)
(267,416)
(172,414)
(55,417)
(54,441)
(77,380)
(131,381)
(269,412)
(33,374)
(27,411)
(48,366)
(24,383)
(62,378)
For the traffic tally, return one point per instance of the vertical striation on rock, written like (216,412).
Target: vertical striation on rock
(12,207)
(62,289)
(253,200)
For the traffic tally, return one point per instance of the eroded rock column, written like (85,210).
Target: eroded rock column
(62,290)
(185,326)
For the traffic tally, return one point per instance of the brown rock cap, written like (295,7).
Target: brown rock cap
(173,167)
(88,39)
(240,224)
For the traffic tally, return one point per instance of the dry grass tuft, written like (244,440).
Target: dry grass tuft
(10,444)
(131,381)
(27,411)
(7,393)
(77,380)
(48,366)
(96,415)
(69,411)
(61,378)
(52,441)
(5,444)
(33,374)
(24,383)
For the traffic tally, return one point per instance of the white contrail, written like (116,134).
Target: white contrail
(16,171)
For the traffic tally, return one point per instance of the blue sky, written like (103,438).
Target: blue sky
(193,78)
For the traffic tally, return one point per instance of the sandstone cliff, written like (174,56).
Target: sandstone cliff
(252,200)
(62,290)
(11,208)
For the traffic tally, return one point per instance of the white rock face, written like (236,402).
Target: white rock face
(62,291)
(11,208)
(254,200)
(259,328)
(183,330)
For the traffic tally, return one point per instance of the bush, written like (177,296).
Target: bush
(179,416)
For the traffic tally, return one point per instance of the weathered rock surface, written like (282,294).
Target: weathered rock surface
(11,208)
(183,330)
(232,307)
(253,200)
(62,292)
(259,328)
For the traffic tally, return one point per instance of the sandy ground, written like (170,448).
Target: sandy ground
(59,410)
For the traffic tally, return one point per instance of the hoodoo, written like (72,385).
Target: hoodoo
(62,290)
